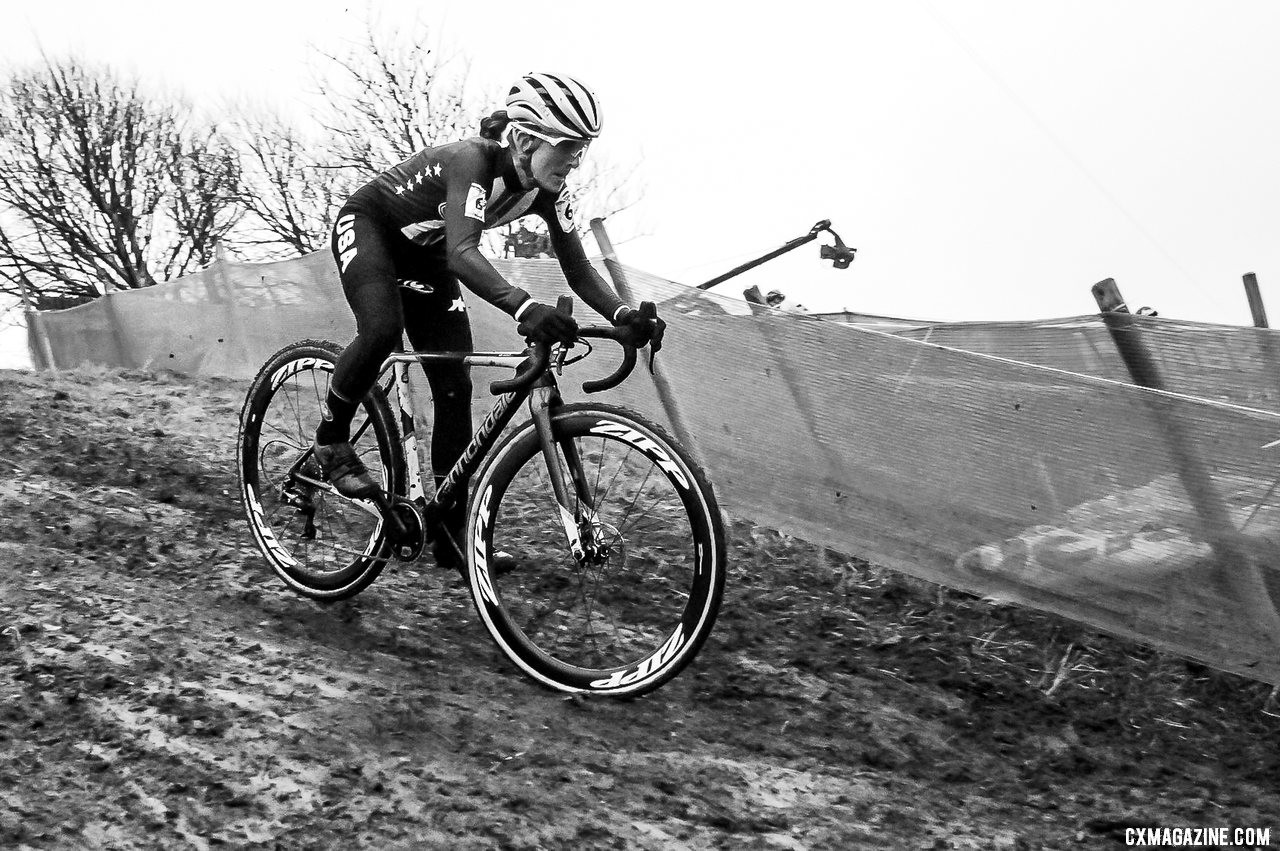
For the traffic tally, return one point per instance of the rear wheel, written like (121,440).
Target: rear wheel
(635,607)
(321,544)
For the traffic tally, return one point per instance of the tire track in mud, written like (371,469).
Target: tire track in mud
(248,721)
(158,688)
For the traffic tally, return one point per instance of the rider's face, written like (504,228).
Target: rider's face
(550,164)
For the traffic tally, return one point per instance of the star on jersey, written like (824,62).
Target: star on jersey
(417,179)
(458,305)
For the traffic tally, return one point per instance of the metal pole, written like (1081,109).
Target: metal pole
(751,264)
(838,253)
(665,394)
(1255,301)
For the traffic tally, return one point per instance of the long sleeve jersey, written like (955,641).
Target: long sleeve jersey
(448,195)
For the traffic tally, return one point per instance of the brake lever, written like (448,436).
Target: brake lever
(564,304)
(649,312)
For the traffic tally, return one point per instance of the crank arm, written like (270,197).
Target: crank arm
(363,504)
(348,551)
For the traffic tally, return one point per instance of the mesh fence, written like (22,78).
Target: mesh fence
(1015,460)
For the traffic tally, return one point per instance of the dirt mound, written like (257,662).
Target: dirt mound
(159,688)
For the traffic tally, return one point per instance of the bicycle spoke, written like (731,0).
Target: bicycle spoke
(616,472)
(609,612)
(321,544)
(639,490)
(282,432)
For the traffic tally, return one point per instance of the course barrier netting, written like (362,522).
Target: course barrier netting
(1014,460)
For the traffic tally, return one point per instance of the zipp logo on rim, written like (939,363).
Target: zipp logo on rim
(263,530)
(644,444)
(483,584)
(294,367)
(653,664)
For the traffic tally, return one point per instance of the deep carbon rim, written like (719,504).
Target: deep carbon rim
(342,549)
(621,627)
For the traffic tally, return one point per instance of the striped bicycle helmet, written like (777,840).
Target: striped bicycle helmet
(554,107)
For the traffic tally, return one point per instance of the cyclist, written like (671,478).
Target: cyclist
(405,239)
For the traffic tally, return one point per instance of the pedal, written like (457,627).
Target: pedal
(301,500)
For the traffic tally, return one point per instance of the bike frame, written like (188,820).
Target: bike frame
(543,396)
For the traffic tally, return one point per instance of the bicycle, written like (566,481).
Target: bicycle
(594,546)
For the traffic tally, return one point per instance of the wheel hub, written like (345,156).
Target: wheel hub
(600,542)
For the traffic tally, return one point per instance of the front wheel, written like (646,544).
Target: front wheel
(628,612)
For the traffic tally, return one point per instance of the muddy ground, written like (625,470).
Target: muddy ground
(160,689)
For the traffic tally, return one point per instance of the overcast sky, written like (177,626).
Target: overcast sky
(989,160)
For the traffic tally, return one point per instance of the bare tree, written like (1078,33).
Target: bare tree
(101,186)
(290,192)
(380,101)
(601,188)
(388,97)
(203,173)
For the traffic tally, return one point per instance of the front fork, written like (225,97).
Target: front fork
(543,402)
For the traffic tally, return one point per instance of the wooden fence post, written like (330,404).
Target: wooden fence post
(1240,575)
(1255,301)
(665,394)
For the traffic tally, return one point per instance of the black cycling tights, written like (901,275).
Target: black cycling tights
(374,265)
